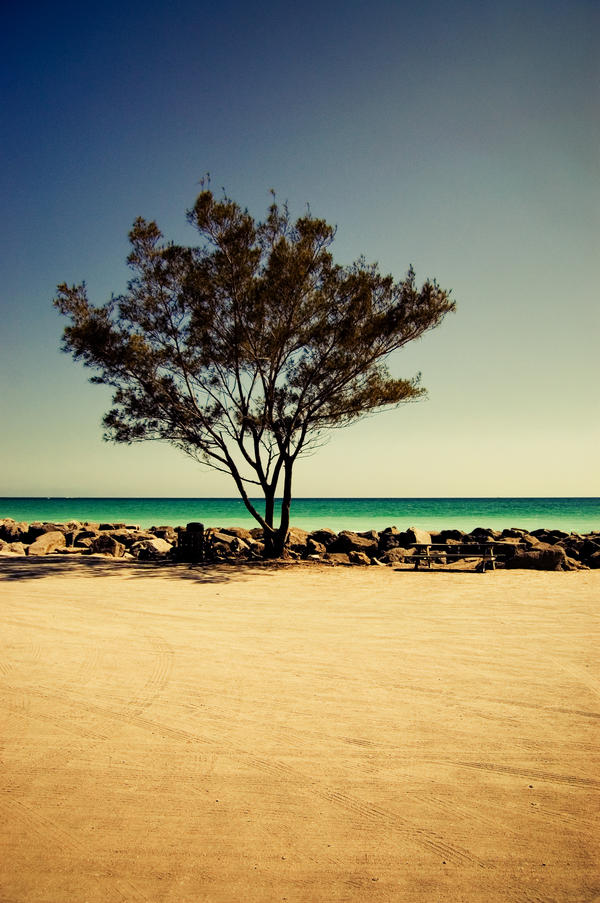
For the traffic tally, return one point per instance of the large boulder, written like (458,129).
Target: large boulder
(347,542)
(37,529)
(324,535)
(391,538)
(107,545)
(338,558)
(151,548)
(84,538)
(414,534)
(359,558)
(240,532)
(457,535)
(297,539)
(12,549)
(530,540)
(543,558)
(165,532)
(594,560)
(587,551)
(47,542)
(486,534)
(13,531)
(397,555)
(370,534)
(314,549)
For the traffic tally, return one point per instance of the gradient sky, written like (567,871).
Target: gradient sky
(460,137)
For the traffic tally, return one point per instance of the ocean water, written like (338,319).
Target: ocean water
(581,515)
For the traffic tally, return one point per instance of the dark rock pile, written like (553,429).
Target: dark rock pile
(515,547)
(75,538)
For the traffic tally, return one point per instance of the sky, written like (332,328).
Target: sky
(461,137)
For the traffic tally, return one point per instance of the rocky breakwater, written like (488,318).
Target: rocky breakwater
(515,547)
(75,538)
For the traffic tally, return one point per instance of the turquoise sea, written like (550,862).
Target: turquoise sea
(581,515)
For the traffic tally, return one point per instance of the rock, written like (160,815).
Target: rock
(148,549)
(458,535)
(541,534)
(485,534)
(370,534)
(347,542)
(225,545)
(296,539)
(314,549)
(589,548)
(530,540)
(507,548)
(325,536)
(576,547)
(11,549)
(549,558)
(392,539)
(85,538)
(337,558)
(47,542)
(414,534)
(37,529)
(240,532)
(239,545)
(84,543)
(107,545)
(226,539)
(593,561)
(397,555)
(13,531)
(167,533)
(17,548)
(359,558)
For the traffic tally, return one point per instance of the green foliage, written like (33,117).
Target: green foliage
(243,350)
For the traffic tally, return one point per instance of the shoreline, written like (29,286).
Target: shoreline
(541,549)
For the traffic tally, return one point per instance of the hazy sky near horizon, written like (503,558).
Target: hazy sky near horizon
(460,137)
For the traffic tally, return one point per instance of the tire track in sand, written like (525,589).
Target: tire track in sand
(117,890)
(552,777)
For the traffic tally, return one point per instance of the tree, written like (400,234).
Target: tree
(243,350)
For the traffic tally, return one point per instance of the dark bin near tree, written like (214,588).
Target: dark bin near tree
(190,543)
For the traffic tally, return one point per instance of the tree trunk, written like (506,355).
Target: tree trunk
(271,551)
(275,542)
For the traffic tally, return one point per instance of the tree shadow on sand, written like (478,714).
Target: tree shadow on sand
(13,569)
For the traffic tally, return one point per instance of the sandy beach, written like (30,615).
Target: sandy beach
(303,734)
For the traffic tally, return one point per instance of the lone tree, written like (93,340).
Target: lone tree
(243,350)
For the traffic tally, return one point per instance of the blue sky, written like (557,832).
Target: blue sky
(459,137)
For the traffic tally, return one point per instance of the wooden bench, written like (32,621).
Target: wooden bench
(431,552)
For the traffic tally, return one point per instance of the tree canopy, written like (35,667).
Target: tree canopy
(244,349)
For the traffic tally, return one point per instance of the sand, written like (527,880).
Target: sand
(302,734)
